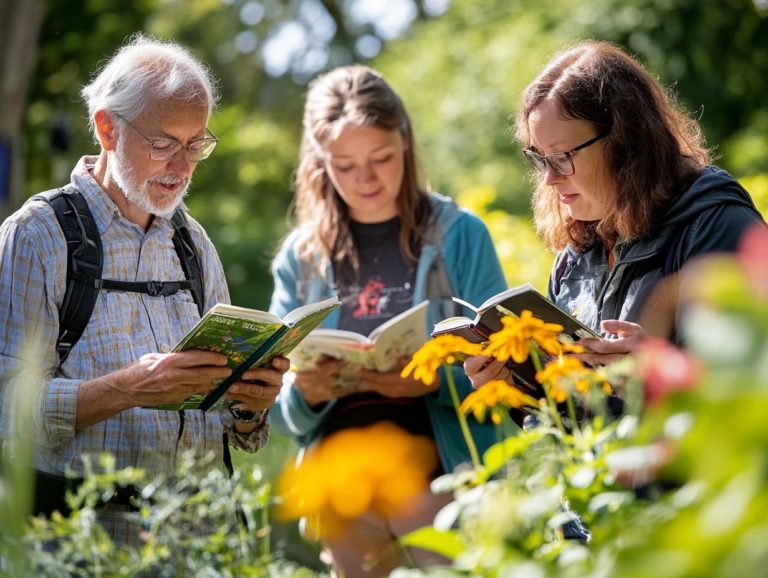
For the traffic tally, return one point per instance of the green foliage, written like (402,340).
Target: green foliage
(523,257)
(75,38)
(757,185)
(677,490)
(461,76)
(189,527)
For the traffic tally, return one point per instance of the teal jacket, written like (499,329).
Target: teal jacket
(709,217)
(473,271)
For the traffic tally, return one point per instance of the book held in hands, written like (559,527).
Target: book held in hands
(391,341)
(249,338)
(513,302)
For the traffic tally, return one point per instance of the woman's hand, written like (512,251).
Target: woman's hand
(604,351)
(316,385)
(390,384)
(481,369)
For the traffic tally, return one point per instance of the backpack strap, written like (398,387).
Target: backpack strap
(188,257)
(439,287)
(84,263)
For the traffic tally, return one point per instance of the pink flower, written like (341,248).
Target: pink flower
(664,368)
(753,258)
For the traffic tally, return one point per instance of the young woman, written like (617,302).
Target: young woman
(624,194)
(369,231)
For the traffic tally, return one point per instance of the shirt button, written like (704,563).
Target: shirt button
(163,348)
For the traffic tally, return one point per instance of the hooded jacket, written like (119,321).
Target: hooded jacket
(708,217)
(458,246)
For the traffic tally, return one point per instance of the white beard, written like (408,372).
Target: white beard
(138,194)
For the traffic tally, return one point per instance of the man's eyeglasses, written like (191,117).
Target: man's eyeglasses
(561,163)
(164,149)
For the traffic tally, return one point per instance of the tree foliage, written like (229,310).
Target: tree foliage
(461,76)
(459,72)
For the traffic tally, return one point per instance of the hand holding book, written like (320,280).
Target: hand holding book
(249,338)
(512,302)
(380,351)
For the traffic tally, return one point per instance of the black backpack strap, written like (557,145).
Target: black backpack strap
(190,260)
(84,263)
(85,260)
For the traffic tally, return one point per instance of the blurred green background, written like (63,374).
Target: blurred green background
(460,66)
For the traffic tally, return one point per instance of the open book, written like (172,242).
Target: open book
(396,338)
(512,302)
(249,338)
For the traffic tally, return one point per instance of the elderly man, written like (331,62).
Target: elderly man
(148,109)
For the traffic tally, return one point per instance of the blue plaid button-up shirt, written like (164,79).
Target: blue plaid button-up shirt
(123,327)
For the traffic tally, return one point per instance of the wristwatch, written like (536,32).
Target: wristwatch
(244,416)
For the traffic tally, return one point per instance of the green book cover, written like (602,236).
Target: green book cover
(249,338)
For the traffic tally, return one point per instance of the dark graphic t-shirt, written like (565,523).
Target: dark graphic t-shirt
(384,286)
(383,289)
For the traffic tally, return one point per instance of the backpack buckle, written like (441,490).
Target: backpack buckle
(161,288)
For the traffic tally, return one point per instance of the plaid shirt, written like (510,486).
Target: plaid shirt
(123,327)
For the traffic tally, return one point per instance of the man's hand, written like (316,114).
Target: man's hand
(154,379)
(258,388)
(604,351)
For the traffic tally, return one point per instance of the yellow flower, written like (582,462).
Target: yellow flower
(563,366)
(493,394)
(514,339)
(442,349)
(380,468)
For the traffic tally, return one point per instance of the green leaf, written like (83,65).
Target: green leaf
(500,453)
(443,542)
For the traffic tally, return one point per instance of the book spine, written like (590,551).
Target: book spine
(482,332)
(215,394)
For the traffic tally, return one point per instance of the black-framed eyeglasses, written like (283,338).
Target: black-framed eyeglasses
(164,149)
(561,163)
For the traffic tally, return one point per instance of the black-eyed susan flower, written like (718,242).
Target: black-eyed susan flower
(560,369)
(495,395)
(443,349)
(518,334)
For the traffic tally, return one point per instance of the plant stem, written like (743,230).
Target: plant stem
(536,358)
(265,541)
(462,418)
(572,413)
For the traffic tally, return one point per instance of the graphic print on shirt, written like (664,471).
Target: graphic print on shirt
(370,300)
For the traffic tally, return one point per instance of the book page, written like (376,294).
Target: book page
(400,337)
(244,313)
(352,347)
(450,323)
(310,308)
(504,295)
(526,297)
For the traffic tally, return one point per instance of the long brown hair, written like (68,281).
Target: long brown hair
(359,96)
(653,149)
